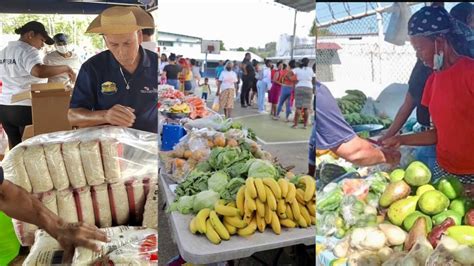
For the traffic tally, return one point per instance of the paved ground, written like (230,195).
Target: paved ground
(289,146)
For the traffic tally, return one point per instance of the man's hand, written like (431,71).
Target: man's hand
(392,142)
(392,157)
(120,115)
(72,75)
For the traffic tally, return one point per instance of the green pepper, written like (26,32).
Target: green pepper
(439,218)
(460,205)
(330,201)
(463,234)
(451,187)
(378,186)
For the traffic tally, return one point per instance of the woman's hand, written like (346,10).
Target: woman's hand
(392,142)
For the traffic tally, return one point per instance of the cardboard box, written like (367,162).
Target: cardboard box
(49,106)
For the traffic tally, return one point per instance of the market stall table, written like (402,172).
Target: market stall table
(197,249)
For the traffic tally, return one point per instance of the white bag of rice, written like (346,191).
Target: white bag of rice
(45,251)
(136,200)
(15,170)
(85,210)
(49,200)
(56,166)
(72,160)
(150,215)
(119,203)
(92,162)
(111,160)
(67,206)
(37,169)
(25,232)
(100,201)
(143,252)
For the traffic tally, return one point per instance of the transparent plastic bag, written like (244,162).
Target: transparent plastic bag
(216,104)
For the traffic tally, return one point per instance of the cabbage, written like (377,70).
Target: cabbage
(205,199)
(232,188)
(184,205)
(262,169)
(218,181)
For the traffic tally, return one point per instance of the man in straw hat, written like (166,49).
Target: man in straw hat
(118,86)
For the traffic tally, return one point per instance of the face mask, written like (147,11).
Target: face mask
(228,68)
(62,49)
(438,59)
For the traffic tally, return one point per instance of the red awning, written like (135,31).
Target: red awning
(327,46)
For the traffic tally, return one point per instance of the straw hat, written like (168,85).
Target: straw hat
(120,20)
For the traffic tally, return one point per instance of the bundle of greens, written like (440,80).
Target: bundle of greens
(194,183)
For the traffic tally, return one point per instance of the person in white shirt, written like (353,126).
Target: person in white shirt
(226,89)
(21,66)
(264,83)
(62,56)
(148,38)
(303,91)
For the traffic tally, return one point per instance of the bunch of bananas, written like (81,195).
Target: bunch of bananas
(260,202)
(180,108)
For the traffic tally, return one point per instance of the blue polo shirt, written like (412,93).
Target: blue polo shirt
(100,85)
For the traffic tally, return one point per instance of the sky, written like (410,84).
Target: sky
(238,23)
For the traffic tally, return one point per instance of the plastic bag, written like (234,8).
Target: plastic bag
(150,215)
(215,104)
(37,169)
(45,251)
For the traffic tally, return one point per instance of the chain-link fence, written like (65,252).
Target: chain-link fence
(352,53)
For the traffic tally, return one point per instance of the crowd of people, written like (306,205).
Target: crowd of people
(279,85)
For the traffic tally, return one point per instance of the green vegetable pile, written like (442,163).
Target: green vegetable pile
(351,105)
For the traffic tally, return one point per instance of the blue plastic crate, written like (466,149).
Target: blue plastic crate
(171,136)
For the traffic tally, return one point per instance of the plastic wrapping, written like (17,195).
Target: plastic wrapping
(110,155)
(72,160)
(25,232)
(45,251)
(150,215)
(37,169)
(85,210)
(56,166)
(136,200)
(123,238)
(49,200)
(101,204)
(119,203)
(15,170)
(67,206)
(92,162)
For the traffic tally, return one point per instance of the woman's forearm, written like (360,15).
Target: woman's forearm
(420,139)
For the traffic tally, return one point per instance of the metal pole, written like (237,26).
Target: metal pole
(294,36)
(380,33)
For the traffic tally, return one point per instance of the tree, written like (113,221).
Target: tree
(240,49)
(320,31)
(222,46)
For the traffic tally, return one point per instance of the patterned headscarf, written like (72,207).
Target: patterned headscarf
(434,20)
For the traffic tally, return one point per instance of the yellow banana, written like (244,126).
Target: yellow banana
(192,226)
(311,208)
(291,192)
(201,218)
(313,220)
(310,187)
(230,228)
(283,183)
(250,188)
(260,189)
(281,208)
(239,200)
(260,223)
(211,234)
(271,201)
(249,229)
(273,185)
(218,226)
(232,204)
(289,212)
(287,223)
(226,210)
(268,215)
(260,208)
(235,221)
(302,222)
(250,204)
(300,196)
(304,212)
(276,224)
(248,216)
(295,209)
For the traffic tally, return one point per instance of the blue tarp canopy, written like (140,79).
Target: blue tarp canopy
(69,6)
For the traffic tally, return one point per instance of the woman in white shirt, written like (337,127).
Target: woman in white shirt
(264,83)
(20,66)
(303,92)
(226,89)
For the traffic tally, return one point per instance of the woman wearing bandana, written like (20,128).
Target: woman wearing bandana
(448,93)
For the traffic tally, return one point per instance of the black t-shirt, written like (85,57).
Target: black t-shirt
(172,71)
(250,70)
(416,86)
(1,175)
